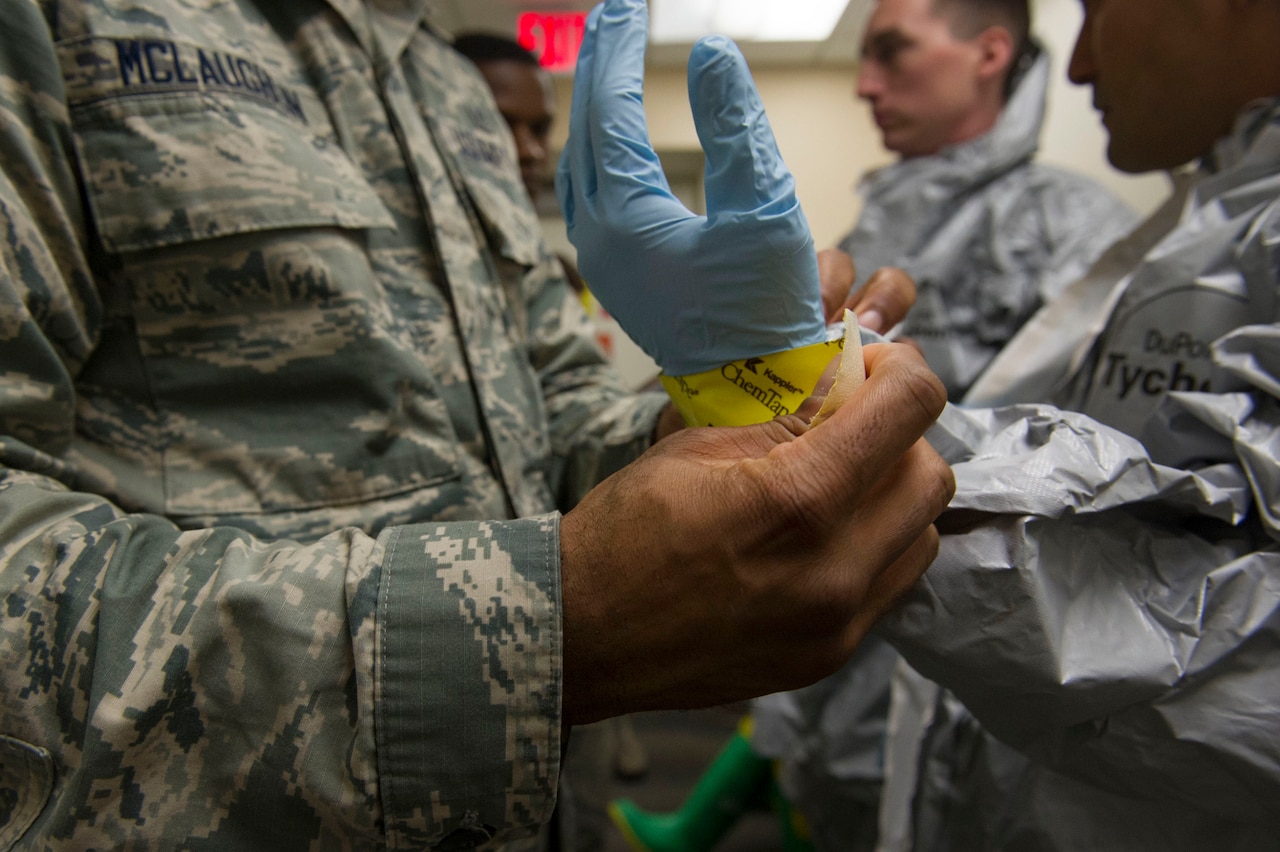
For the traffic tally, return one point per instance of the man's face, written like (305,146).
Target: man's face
(526,99)
(920,80)
(1158,69)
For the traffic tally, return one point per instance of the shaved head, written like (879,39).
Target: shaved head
(967,18)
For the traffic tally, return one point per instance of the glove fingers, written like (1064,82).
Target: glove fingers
(745,171)
(575,173)
(625,160)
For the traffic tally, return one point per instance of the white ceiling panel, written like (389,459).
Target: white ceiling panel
(841,48)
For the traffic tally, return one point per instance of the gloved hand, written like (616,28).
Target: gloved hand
(695,292)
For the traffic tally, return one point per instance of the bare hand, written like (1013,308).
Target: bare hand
(836,274)
(733,562)
(883,300)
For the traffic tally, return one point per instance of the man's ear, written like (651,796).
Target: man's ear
(996,53)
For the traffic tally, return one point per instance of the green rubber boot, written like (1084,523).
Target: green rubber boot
(796,836)
(736,781)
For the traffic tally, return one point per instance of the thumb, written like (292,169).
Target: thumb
(745,172)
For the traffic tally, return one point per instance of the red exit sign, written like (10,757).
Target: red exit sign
(553,37)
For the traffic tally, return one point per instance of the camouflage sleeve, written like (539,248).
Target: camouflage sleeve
(597,426)
(166,688)
(169,684)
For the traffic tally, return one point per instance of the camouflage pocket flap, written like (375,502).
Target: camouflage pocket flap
(187,166)
(26,779)
(509,221)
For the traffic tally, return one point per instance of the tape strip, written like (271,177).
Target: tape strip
(753,390)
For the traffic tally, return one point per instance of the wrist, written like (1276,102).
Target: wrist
(751,390)
(669,422)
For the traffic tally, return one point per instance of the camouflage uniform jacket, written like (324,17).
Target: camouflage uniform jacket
(291,392)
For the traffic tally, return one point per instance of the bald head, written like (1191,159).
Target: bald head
(1170,78)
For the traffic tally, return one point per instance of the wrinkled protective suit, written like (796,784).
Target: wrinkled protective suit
(1115,614)
(290,389)
(988,235)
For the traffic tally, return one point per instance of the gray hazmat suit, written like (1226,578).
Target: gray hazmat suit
(989,236)
(1106,601)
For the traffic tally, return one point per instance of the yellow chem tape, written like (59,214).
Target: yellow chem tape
(753,390)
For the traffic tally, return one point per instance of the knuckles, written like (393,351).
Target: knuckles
(943,480)
(893,292)
(914,381)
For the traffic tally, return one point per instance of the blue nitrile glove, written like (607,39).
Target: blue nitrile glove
(695,292)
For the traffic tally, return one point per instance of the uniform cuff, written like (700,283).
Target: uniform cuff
(468,680)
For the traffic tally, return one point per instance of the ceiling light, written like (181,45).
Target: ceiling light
(685,21)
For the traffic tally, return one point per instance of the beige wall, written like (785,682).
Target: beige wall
(827,138)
